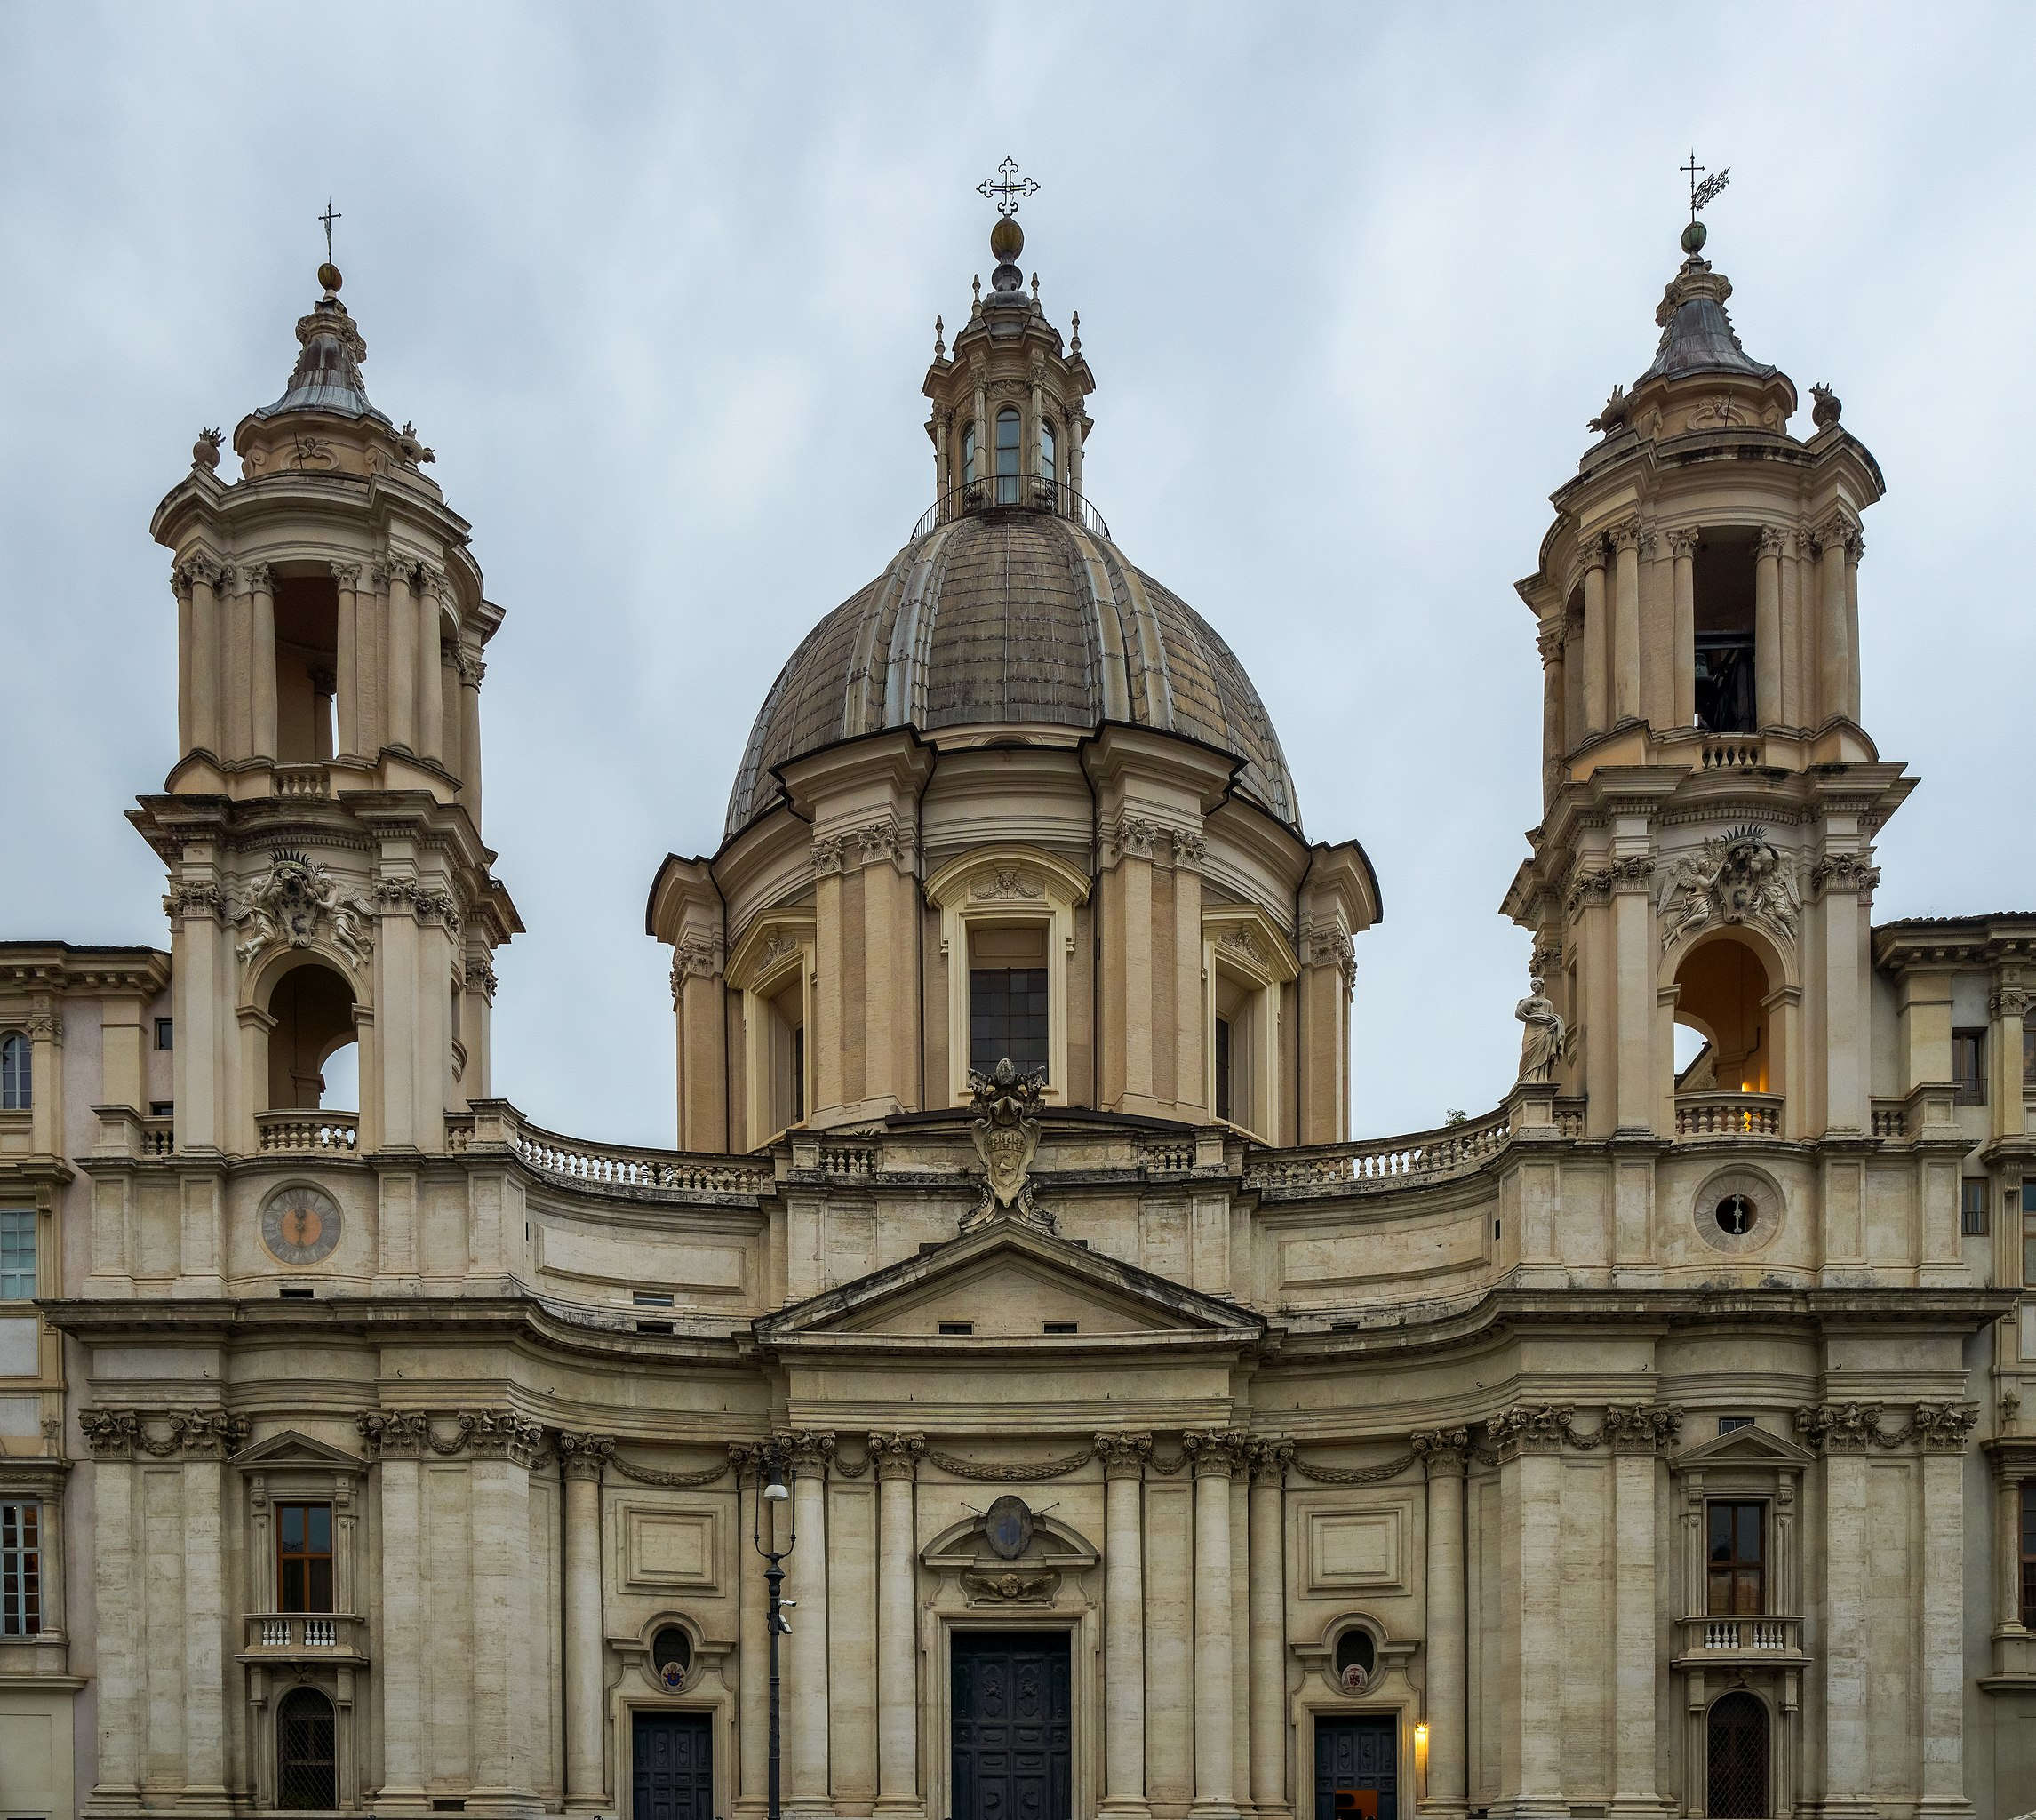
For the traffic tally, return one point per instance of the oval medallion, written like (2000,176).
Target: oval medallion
(301,1224)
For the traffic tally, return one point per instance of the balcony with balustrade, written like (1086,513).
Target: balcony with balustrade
(305,1637)
(1739,1642)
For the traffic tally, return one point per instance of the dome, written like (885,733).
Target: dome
(1013,617)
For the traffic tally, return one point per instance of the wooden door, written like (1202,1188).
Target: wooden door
(1357,1769)
(673,1762)
(1013,1726)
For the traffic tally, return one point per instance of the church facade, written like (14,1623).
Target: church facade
(1661,1443)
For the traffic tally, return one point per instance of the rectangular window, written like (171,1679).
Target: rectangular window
(1006,1016)
(1731,1424)
(16,1254)
(303,1557)
(2029,1554)
(1968,1066)
(1738,1560)
(162,1108)
(165,1033)
(20,1570)
(2029,1058)
(957,1328)
(798,1073)
(1061,1327)
(2029,1235)
(1972,1206)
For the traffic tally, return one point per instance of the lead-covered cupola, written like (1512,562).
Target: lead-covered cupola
(1013,798)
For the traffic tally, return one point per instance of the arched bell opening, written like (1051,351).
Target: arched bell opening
(1730,1059)
(312,1041)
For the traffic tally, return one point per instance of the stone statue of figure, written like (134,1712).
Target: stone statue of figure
(1541,1040)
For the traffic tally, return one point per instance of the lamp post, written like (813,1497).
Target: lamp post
(775,1491)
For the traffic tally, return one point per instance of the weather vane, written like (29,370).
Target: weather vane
(328,217)
(1006,192)
(1707,191)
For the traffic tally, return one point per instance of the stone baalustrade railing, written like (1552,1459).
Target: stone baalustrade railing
(607,1165)
(1726,1637)
(308,1133)
(1727,1116)
(1385,1162)
(303,1636)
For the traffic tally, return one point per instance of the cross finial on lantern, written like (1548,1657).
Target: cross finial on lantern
(1707,191)
(1007,188)
(328,217)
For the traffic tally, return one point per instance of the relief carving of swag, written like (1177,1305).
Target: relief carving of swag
(480,1434)
(1852,1427)
(198,1434)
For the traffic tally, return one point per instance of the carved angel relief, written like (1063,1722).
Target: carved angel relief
(291,903)
(1740,878)
(1006,1130)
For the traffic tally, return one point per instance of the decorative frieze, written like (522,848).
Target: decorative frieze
(1853,1427)
(161,1434)
(479,1433)
(1000,884)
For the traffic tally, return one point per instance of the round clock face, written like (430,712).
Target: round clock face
(301,1224)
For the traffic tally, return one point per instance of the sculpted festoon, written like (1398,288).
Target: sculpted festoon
(1658,1442)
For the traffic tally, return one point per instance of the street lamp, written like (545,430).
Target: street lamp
(775,1491)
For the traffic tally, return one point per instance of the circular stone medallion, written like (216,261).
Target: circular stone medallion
(1739,1211)
(301,1224)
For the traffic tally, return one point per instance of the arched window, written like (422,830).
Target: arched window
(967,454)
(1356,1659)
(307,1762)
(17,1073)
(1736,1750)
(1008,450)
(313,1007)
(672,1656)
(1048,468)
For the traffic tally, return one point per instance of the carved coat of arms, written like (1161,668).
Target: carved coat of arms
(1741,878)
(286,907)
(1006,1130)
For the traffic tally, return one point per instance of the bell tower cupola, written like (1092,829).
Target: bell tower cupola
(1703,872)
(329,887)
(1009,422)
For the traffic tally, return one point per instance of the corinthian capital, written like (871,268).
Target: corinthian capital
(1123,1456)
(897,1456)
(1217,1452)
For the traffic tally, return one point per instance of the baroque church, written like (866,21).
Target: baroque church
(1137,1442)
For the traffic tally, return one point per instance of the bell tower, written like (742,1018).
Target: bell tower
(328,879)
(1711,795)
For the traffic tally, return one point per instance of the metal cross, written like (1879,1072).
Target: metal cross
(328,217)
(1006,193)
(1707,191)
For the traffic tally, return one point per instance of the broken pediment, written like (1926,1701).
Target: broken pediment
(1008,1281)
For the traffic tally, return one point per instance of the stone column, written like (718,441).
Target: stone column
(1768,644)
(1940,1598)
(432,588)
(1634,949)
(1682,557)
(1445,1453)
(399,725)
(581,1457)
(1168,1583)
(1626,626)
(1194,1093)
(371,614)
(1268,1631)
(1554,741)
(180,585)
(261,661)
(1855,548)
(805,1734)
(203,576)
(346,700)
(472,669)
(897,1457)
(1529,1440)
(1597,640)
(2007,1007)
(2007,1549)
(1834,648)
(753,1653)
(1216,1455)
(1123,1458)
(1847,1591)
(237,660)
(117,1588)
(204,1610)
(1637,1435)
(396,1442)
(501,1446)
(1125,1065)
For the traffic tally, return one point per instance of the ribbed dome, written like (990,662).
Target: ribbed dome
(1013,616)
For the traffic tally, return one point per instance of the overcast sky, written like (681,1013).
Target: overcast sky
(658,284)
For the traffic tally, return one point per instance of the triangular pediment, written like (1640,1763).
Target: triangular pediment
(293,1449)
(1008,1282)
(1744,1446)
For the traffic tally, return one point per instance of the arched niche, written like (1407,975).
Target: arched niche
(307,1010)
(1731,987)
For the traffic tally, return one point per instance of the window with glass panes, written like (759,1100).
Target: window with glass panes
(303,1557)
(2029,1235)
(2029,1554)
(1006,1016)
(1007,432)
(16,1254)
(1973,1192)
(1968,1065)
(17,1073)
(1736,1558)
(20,1570)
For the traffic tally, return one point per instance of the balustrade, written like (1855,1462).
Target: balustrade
(1387,1163)
(314,1636)
(1727,1116)
(308,1133)
(303,780)
(1742,1636)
